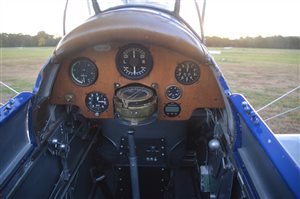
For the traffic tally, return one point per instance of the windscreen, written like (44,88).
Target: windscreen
(80,10)
(161,4)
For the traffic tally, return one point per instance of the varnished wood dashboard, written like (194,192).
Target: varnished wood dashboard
(204,93)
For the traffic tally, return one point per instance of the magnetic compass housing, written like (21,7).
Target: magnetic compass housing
(135,104)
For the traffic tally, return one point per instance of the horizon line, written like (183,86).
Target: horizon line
(223,37)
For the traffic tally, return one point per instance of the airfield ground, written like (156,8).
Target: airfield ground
(261,75)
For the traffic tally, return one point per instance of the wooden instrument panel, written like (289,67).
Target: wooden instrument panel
(204,93)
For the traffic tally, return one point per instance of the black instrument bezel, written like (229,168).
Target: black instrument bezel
(178,88)
(71,72)
(93,110)
(189,82)
(148,58)
(172,114)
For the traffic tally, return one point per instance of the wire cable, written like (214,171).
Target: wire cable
(277,99)
(281,114)
(10,88)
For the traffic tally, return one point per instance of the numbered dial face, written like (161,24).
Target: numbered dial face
(173,92)
(134,61)
(83,72)
(187,73)
(96,102)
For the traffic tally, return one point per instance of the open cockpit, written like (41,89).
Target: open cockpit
(131,105)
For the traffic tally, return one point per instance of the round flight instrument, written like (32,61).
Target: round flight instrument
(135,103)
(134,61)
(96,102)
(187,73)
(173,92)
(83,72)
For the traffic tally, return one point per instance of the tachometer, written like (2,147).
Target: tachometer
(134,61)
(187,73)
(83,72)
(96,102)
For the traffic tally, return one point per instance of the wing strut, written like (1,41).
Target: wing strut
(65,16)
(201,18)
(177,8)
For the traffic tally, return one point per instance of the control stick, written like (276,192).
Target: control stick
(133,166)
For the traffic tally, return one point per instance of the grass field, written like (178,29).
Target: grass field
(19,68)
(261,75)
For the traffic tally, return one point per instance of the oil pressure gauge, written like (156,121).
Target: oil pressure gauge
(173,92)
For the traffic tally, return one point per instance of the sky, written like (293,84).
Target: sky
(224,18)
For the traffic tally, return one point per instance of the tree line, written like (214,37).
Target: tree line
(44,39)
(256,42)
(21,40)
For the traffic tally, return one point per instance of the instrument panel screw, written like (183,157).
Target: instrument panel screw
(154,85)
